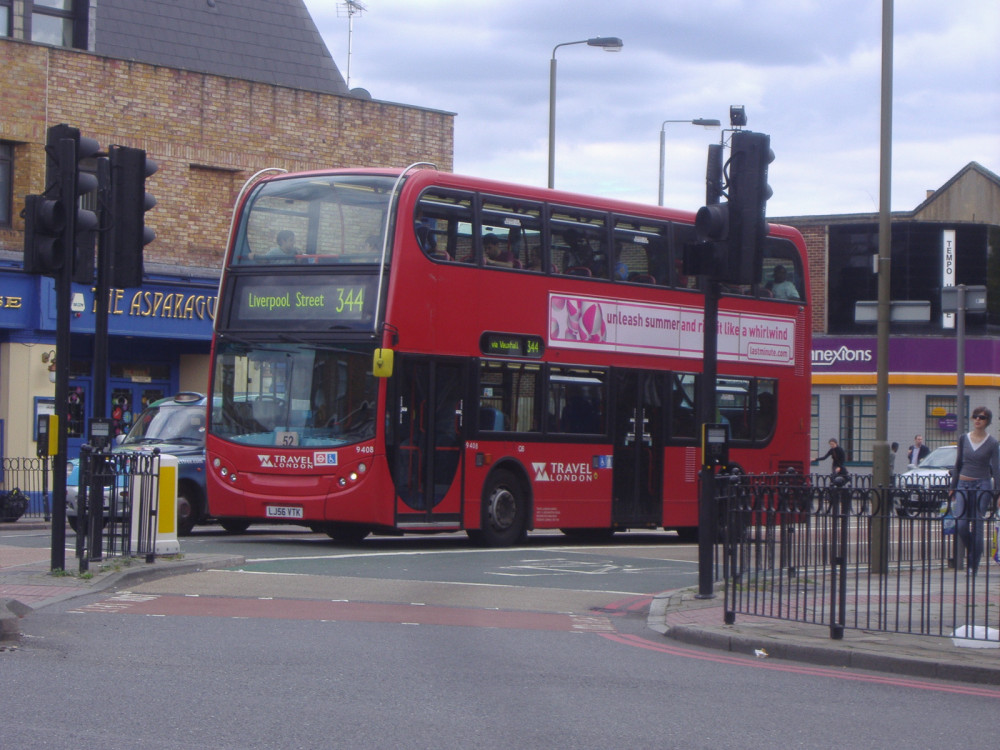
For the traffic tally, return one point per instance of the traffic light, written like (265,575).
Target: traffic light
(749,158)
(56,229)
(129,202)
(735,230)
(44,221)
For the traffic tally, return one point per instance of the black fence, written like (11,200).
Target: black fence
(850,555)
(25,489)
(126,488)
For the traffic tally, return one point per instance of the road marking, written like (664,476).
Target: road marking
(338,611)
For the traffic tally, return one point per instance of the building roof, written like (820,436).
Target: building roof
(972,166)
(271,41)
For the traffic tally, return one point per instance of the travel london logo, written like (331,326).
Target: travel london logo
(279,461)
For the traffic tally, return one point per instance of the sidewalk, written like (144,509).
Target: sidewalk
(683,617)
(27,584)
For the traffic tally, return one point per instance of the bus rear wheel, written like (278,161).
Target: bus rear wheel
(505,508)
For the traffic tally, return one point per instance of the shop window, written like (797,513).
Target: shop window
(857,427)
(814,426)
(941,420)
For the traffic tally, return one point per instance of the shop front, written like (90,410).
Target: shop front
(159,337)
(923,396)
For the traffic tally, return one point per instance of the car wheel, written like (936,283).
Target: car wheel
(188,510)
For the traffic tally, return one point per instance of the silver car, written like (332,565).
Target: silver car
(922,490)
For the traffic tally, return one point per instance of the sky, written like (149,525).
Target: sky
(808,73)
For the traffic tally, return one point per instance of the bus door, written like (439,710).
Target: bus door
(426,441)
(638,456)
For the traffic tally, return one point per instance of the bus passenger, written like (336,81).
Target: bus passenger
(781,287)
(285,249)
(493,255)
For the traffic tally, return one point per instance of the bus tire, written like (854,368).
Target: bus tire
(505,509)
(234,525)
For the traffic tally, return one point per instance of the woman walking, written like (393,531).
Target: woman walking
(976,474)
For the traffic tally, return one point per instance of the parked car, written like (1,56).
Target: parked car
(923,488)
(175,425)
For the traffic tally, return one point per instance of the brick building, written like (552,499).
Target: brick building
(214,92)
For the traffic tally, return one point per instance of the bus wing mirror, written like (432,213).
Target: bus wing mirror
(382,363)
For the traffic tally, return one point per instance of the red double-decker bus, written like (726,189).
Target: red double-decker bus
(418,351)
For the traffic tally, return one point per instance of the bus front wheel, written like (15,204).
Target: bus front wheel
(505,508)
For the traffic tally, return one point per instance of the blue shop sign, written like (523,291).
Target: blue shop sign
(177,311)
(18,301)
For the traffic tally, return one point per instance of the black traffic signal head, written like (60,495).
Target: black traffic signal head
(52,220)
(748,193)
(129,202)
(44,222)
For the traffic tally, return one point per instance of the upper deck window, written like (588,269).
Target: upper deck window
(641,252)
(579,243)
(517,228)
(443,225)
(315,219)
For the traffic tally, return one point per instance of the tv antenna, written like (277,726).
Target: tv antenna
(352,8)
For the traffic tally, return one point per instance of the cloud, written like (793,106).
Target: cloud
(808,72)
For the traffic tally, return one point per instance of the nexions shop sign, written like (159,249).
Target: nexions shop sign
(836,357)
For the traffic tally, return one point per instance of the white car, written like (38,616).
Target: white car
(934,469)
(922,490)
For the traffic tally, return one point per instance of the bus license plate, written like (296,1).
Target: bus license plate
(282,511)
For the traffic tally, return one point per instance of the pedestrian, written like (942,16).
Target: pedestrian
(837,455)
(975,476)
(918,451)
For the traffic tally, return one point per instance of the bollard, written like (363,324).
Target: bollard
(166,516)
(155,528)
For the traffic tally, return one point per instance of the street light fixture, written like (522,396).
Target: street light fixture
(700,121)
(608,44)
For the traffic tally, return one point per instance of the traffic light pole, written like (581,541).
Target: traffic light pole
(66,156)
(95,497)
(707,510)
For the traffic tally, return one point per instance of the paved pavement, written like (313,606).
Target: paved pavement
(26,584)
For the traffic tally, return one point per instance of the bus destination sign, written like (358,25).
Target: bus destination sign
(512,345)
(309,302)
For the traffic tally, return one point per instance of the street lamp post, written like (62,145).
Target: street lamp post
(608,44)
(699,121)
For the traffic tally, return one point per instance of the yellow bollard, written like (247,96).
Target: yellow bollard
(166,524)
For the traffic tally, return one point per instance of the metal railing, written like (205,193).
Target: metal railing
(125,486)
(25,491)
(850,555)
